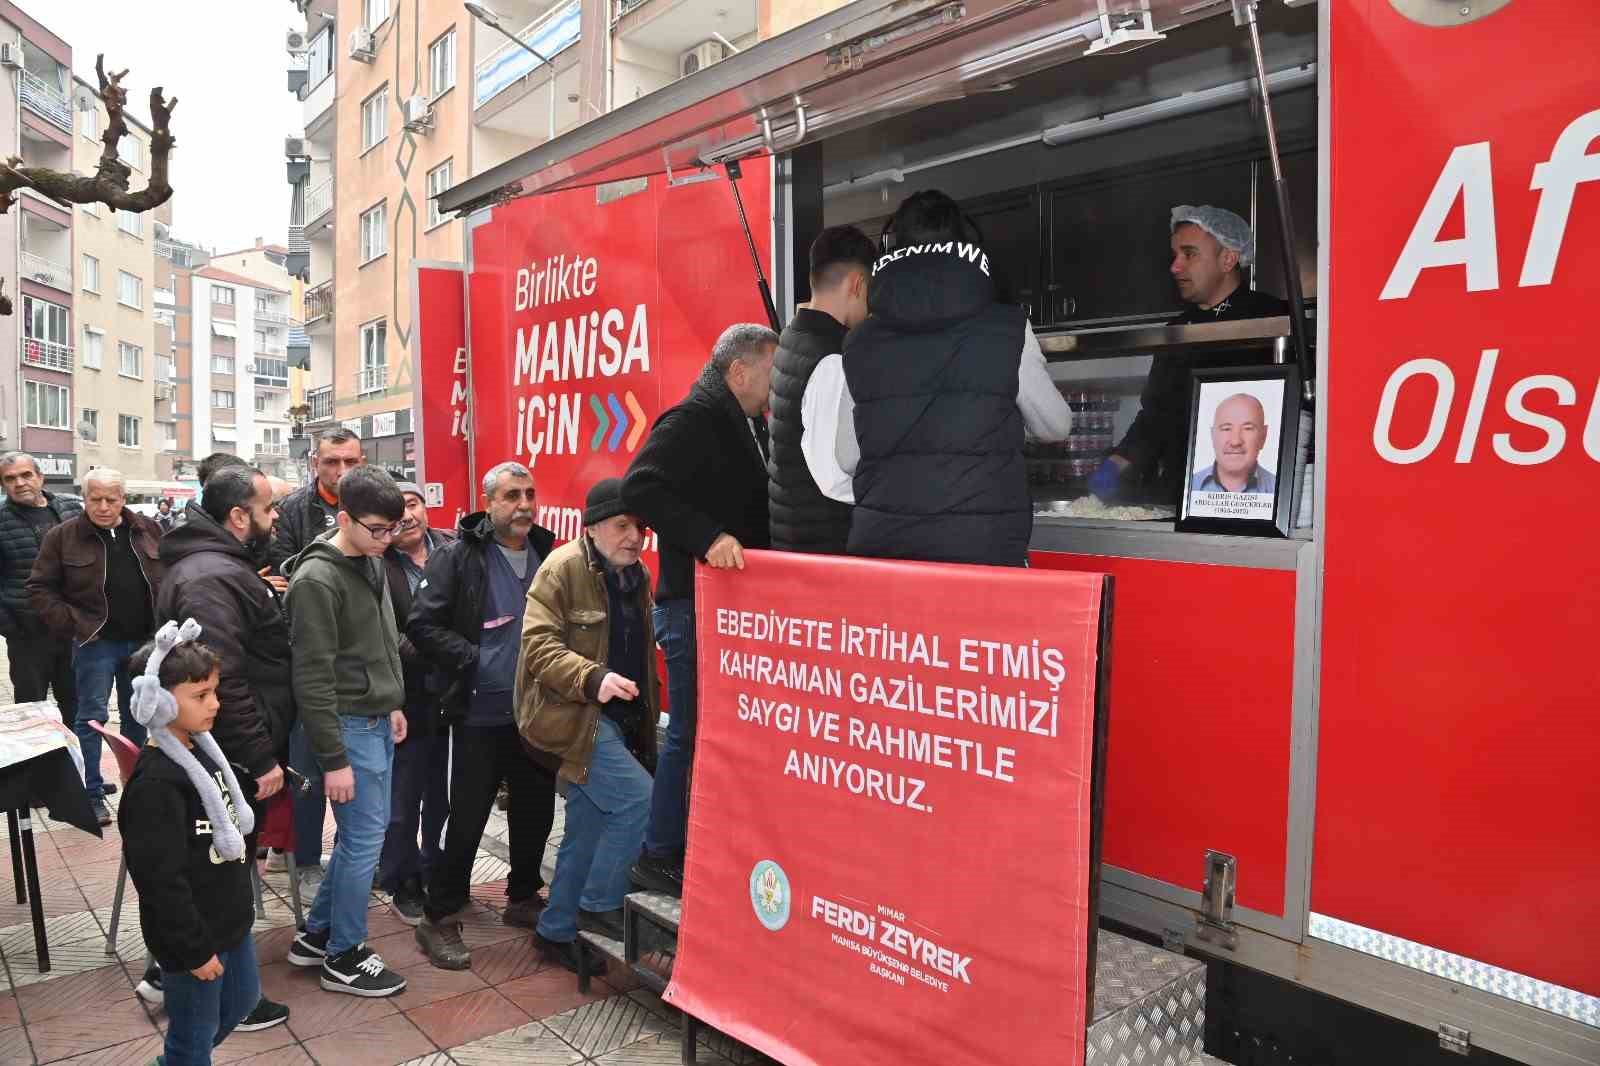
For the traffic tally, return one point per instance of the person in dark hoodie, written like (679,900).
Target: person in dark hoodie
(468,621)
(349,688)
(940,383)
(700,481)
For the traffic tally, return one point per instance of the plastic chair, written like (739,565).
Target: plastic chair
(127,753)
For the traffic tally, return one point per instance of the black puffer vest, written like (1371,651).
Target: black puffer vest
(19,547)
(802,518)
(933,372)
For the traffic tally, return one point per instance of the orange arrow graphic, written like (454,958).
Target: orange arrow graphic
(638,420)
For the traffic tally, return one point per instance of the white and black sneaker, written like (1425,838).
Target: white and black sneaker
(265,1015)
(149,987)
(309,949)
(361,972)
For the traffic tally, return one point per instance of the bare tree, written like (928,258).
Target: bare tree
(109,185)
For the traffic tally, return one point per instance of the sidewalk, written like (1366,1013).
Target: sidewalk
(509,1008)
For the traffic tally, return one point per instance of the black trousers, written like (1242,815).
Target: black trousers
(480,758)
(39,664)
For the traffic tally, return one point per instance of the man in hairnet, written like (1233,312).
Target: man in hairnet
(1210,248)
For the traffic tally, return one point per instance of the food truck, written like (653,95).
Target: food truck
(1349,761)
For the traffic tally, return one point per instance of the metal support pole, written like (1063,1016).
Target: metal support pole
(1244,14)
(526,47)
(732,167)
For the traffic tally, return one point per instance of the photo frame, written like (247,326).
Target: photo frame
(1240,464)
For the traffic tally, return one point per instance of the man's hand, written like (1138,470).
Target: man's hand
(397,726)
(277,581)
(270,783)
(615,687)
(726,553)
(1106,481)
(210,971)
(339,785)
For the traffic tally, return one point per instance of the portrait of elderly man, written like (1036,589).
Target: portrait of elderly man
(1238,432)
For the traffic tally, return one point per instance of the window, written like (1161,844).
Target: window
(164,368)
(130,222)
(319,58)
(375,118)
(89,424)
(170,432)
(442,64)
(438,182)
(131,151)
(221,294)
(373,12)
(222,398)
(222,364)
(44,321)
(94,348)
(130,290)
(263,305)
(374,374)
(91,274)
(45,405)
(130,360)
(261,339)
(91,122)
(128,431)
(374,232)
(261,403)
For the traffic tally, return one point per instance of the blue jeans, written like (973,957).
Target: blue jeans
(311,806)
(669,804)
(95,666)
(346,891)
(605,824)
(200,1014)
(421,796)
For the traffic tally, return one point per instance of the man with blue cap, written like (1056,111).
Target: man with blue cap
(1210,248)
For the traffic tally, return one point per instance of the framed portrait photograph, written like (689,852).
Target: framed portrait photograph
(1244,428)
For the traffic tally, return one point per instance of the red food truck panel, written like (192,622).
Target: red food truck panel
(1202,661)
(1457,799)
(592,311)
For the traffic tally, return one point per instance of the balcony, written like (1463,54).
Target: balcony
(272,451)
(46,272)
(549,34)
(271,317)
(272,374)
(372,379)
(320,401)
(47,354)
(674,27)
(319,304)
(319,201)
(45,100)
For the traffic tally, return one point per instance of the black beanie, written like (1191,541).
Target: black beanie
(604,501)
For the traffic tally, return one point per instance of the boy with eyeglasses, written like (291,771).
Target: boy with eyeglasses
(350,688)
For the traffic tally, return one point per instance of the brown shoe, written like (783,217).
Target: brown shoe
(523,913)
(441,942)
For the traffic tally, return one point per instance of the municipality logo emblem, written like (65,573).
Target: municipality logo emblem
(769,894)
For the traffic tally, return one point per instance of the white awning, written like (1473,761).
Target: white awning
(230,434)
(224,329)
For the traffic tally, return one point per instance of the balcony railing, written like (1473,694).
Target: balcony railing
(272,317)
(274,450)
(549,34)
(319,201)
(320,400)
(47,354)
(46,101)
(319,303)
(37,268)
(372,379)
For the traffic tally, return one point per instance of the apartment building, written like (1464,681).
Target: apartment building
(401,101)
(122,378)
(38,340)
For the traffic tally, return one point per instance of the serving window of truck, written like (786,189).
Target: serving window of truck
(1353,753)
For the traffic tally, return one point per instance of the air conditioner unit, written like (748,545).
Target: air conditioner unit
(294,147)
(294,42)
(10,55)
(700,57)
(417,113)
(363,46)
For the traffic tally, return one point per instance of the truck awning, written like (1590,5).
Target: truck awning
(845,69)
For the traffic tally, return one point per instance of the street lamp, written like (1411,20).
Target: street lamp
(489,18)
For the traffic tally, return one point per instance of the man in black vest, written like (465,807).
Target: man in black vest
(801,517)
(940,382)
(39,661)
(700,482)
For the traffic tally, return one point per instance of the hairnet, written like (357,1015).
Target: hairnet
(1231,231)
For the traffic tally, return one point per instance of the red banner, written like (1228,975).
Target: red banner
(1458,681)
(890,854)
(440,416)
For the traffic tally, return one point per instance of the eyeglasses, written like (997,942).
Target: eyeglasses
(383,532)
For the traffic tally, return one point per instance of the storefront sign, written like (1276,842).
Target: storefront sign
(58,466)
(383,425)
(891,849)
(440,398)
(589,318)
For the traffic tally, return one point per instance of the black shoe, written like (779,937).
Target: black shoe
(565,955)
(309,949)
(523,913)
(657,874)
(441,942)
(149,987)
(107,789)
(102,813)
(264,1015)
(407,902)
(360,972)
(601,923)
